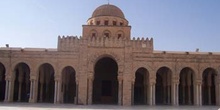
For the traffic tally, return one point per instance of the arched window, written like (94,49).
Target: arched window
(93,33)
(107,34)
(120,34)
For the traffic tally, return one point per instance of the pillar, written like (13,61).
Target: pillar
(58,91)
(132,92)
(31,91)
(218,95)
(173,92)
(198,93)
(153,95)
(120,89)
(6,91)
(76,97)
(90,89)
(150,94)
(177,94)
(19,87)
(9,91)
(55,91)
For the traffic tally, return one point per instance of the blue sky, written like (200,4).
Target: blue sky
(175,25)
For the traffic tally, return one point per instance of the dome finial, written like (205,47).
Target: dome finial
(108,2)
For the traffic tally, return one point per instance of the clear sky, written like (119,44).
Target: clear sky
(175,25)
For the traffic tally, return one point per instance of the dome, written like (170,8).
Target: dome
(108,10)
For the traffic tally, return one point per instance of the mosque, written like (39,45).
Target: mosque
(106,66)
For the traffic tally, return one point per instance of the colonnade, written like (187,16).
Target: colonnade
(165,88)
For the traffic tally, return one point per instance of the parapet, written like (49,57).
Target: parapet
(74,43)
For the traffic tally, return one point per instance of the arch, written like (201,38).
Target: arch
(68,85)
(93,34)
(140,86)
(105,84)
(209,83)
(163,86)
(106,34)
(114,22)
(2,82)
(21,84)
(120,34)
(187,76)
(97,56)
(46,83)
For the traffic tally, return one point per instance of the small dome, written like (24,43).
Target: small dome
(108,10)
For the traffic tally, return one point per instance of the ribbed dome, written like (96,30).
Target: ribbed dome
(108,10)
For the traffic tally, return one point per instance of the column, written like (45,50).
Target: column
(218,94)
(31,92)
(189,95)
(9,91)
(35,91)
(90,90)
(41,91)
(55,92)
(183,89)
(6,91)
(200,94)
(177,94)
(173,88)
(132,92)
(120,81)
(76,97)
(168,94)
(19,91)
(153,96)
(196,93)
(58,90)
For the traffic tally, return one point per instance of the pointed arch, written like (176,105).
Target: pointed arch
(163,86)
(21,83)
(209,83)
(46,83)
(2,82)
(68,88)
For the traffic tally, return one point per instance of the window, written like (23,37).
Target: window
(106,35)
(93,34)
(106,22)
(91,22)
(114,23)
(119,36)
(121,24)
(97,22)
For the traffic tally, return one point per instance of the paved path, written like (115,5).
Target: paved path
(28,106)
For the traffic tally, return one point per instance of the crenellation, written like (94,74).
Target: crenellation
(68,43)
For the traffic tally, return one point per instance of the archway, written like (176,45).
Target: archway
(186,87)
(140,86)
(68,85)
(208,87)
(21,83)
(2,82)
(105,84)
(163,86)
(46,83)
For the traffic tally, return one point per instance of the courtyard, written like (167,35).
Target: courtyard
(47,106)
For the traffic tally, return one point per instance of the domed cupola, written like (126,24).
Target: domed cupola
(107,21)
(108,10)
(108,14)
